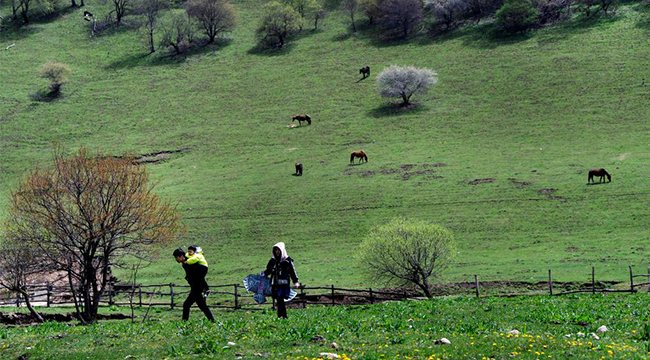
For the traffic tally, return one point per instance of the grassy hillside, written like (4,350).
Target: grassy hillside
(532,113)
(477,329)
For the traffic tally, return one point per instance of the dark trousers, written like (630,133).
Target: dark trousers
(196,296)
(279,293)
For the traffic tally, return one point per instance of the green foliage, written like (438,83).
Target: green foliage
(57,73)
(279,22)
(516,16)
(407,252)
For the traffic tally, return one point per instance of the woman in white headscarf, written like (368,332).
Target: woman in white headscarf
(281,270)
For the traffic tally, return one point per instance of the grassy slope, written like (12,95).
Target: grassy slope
(477,329)
(541,109)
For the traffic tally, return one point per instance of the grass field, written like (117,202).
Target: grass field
(477,329)
(541,109)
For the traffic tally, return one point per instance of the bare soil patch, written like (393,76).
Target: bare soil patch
(519,184)
(157,157)
(547,191)
(481,181)
(404,172)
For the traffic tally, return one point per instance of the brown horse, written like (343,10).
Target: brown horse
(598,172)
(365,71)
(358,154)
(301,118)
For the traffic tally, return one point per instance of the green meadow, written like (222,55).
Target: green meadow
(526,117)
(476,329)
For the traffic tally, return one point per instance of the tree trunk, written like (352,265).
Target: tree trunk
(74,4)
(14,10)
(152,49)
(24,12)
(28,303)
(354,27)
(405,99)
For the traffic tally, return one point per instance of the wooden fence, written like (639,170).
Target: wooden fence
(233,296)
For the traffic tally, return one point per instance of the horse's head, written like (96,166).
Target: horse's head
(609,177)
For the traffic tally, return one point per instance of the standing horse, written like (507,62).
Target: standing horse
(365,71)
(358,154)
(301,118)
(598,172)
(298,169)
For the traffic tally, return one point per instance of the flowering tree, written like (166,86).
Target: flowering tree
(403,82)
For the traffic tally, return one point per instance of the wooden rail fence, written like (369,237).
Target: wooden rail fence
(232,296)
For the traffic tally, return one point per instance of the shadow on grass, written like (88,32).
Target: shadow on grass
(597,183)
(396,110)
(261,50)
(165,58)
(18,30)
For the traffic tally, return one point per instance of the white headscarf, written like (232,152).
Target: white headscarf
(283,250)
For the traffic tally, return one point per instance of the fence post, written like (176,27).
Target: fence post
(171,292)
(550,283)
(593,280)
(49,292)
(649,279)
(140,294)
(631,280)
(478,292)
(110,293)
(372,299)
(333,303)
(304,296)
(236,297)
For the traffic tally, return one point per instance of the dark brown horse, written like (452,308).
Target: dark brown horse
(365,71)
(598,172)
(298,169)
(301,118)
(358,154)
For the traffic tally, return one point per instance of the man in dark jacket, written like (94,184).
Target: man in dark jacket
(281,269)
(195,276)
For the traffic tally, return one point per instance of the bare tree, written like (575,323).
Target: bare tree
(279,22)
(178,33)
(371,8)
(403,82)
(151,10)
(215,16)
(85,215)
(18,267)
(350,8)
(401,17)
(120,7)
(407,252)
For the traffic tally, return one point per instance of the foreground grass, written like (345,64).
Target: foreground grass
(477,329)
(532,113)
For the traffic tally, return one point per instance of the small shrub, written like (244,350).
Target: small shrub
(57,73)
(178,33)
(551,10)
(516,16)
(214,16)
(407,252)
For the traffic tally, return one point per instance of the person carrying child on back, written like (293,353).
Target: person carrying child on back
(195,276)
(195,256)
(281,269)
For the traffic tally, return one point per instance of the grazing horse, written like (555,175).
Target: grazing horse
(358,154)
(301,118)
(599,172)
(298,169)
(365,71)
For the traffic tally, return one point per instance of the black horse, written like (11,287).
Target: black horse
(298,169)
(365,71)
